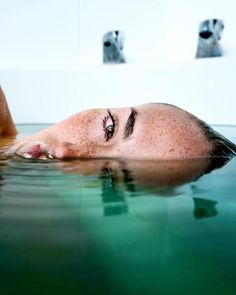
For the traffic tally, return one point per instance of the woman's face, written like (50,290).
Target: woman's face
(151,131)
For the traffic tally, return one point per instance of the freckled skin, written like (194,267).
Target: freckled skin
(161,132)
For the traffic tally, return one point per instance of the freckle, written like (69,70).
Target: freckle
(171,150)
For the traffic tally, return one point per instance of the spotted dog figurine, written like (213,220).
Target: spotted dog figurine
(210,32)
(113,44)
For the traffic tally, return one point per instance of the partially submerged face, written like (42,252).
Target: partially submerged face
(151,131)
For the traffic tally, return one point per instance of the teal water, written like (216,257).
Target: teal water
(115,227)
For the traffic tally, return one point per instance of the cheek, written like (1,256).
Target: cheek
(79,131)
(146,146)
(130,148)
(73,141)
(69,150)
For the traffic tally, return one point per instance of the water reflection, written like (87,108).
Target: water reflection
(113,196)
(4,158)
(121,179)
(53,231)
(204,208)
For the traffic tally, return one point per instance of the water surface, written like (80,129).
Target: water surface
(115,227)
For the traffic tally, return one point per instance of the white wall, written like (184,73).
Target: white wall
(58,32)
(51,54)
(38,32)
(155,30)
(184,18)
(142,22)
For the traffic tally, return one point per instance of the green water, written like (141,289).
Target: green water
(114,227)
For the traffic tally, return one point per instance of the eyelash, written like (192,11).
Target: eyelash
(108,135)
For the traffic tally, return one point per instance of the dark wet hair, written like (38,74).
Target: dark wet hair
(223,150)
(221,146)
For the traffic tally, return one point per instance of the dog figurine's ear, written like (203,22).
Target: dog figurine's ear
(7,127)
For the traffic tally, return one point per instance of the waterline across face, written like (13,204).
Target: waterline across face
(150,131)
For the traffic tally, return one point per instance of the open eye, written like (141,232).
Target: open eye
(108,126)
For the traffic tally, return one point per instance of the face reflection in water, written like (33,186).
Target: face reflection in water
(74,219)
(160,178)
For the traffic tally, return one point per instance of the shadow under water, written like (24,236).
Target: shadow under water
(108,226)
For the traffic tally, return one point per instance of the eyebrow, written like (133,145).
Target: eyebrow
(129,126)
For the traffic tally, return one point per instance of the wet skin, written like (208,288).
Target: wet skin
(7,127)
(151,131)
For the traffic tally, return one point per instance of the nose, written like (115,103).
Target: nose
(205,34)
(65,150)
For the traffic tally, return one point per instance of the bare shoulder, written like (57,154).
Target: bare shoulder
(6,141)
(7,127)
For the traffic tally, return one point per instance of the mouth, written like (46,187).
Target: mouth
(37,151)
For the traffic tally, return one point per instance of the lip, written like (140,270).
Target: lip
(35,151)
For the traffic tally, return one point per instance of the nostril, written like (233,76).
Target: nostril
(205,34)
(107,43)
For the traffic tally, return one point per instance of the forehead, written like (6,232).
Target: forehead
(153,117)
(161,119)
(163,114)
(168,132)
(164,120)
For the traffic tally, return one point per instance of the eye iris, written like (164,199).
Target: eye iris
(110,131)
(109,126)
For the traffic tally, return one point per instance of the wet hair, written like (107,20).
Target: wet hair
(221,146)
(223,150)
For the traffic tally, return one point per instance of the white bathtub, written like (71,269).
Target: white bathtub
(204,87)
